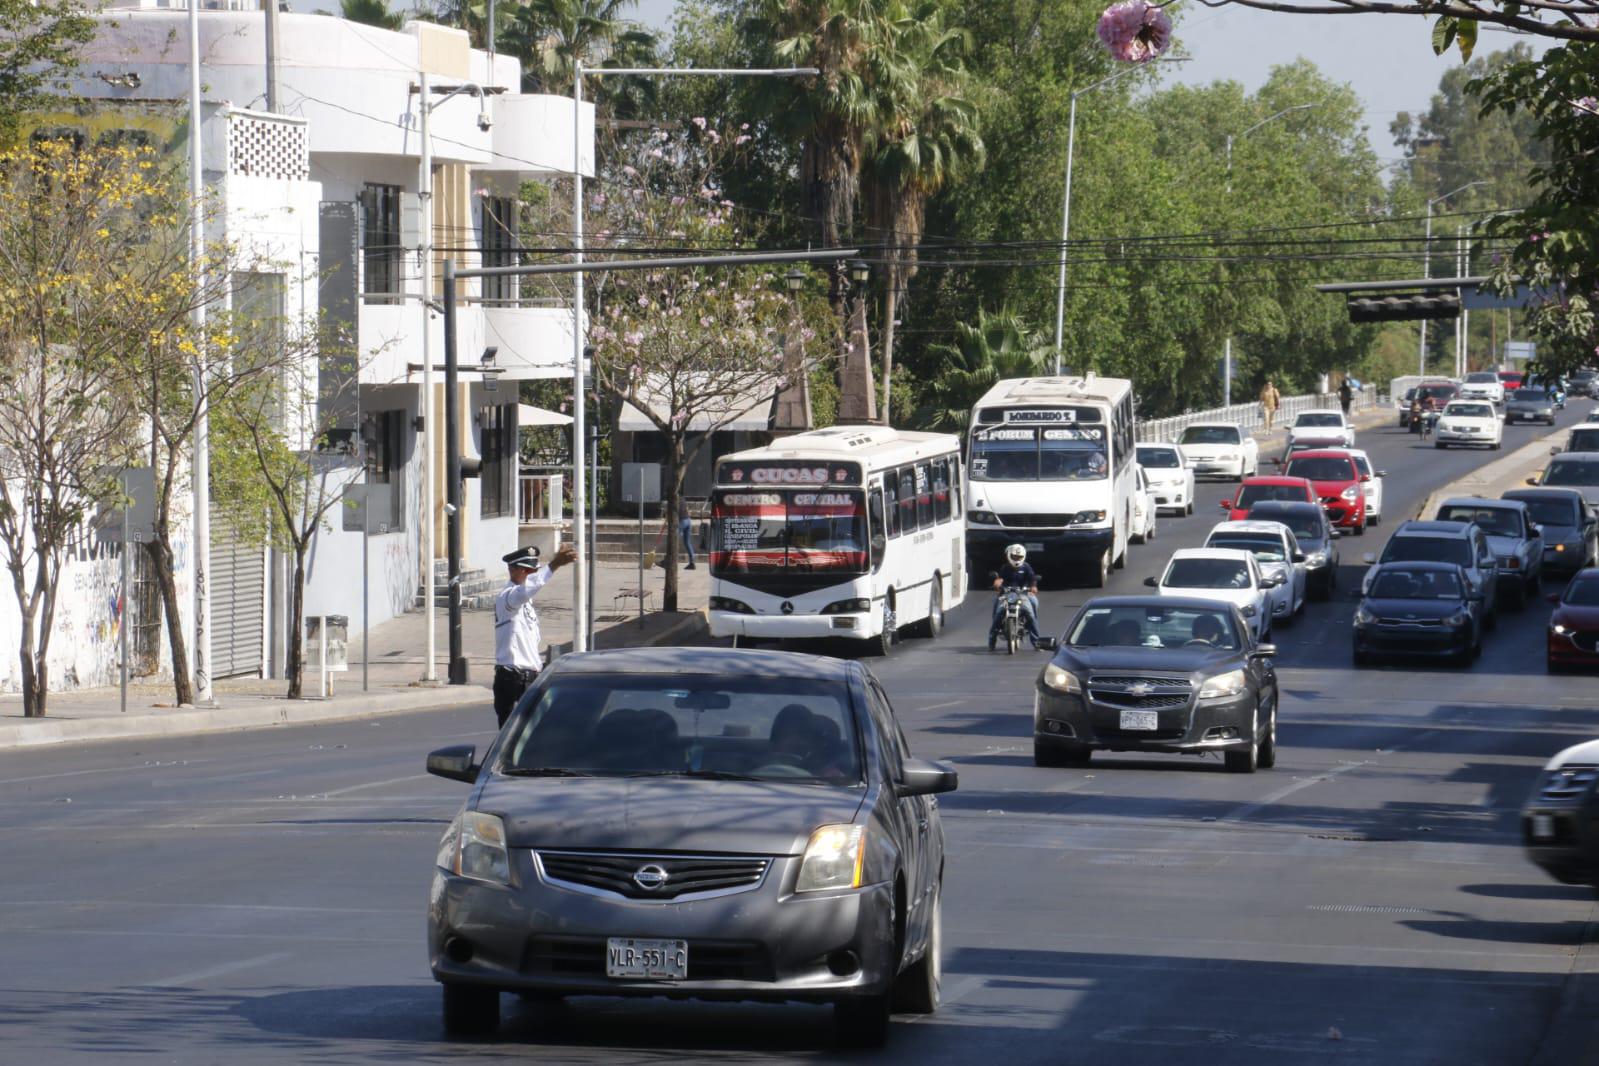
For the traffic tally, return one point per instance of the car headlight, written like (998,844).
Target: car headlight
(1229,684)
(1459,618)
(1564,631)
(480,848)
(1351,493)
(1316,559)
(1061,680)
(832,859)
(982,518)
(1364,617)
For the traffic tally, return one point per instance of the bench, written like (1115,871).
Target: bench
(625,594)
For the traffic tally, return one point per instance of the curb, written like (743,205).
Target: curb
(1484,478)
(266,714)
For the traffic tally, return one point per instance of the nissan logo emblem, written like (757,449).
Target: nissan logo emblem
(650,877)
(788,607)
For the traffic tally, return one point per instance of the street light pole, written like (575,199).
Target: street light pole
(581,563)
(424,192)
(1227,348)
(201,471)
(1426,268)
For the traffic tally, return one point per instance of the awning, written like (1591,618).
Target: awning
(527,416)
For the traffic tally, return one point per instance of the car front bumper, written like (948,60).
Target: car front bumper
(1529,414)
(1345,514)
(1170,493)
(1460,436)
(1562,841)
(1572,649)
(1569,555)
(1071,720)
(1229,466)
(1437,640)
(768,943)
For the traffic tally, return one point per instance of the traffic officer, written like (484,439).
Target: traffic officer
(516,626)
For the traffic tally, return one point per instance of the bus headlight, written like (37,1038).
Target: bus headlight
(723,603)
(855,606)
(1085,518)
(982,518)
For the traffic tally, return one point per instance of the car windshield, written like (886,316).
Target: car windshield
(1436,392)
(1264,546)
(1584,440)
(1416,585)
(793,530)
(1483,377)
(1427,550)
(1153,627)
(1253,494)
(1304,525)
(1580,472)
(1362,465)
(1159,458)
(1469,410)
(1319,418)
(1029,453)
(1323,468)
(1410,394)
(628,725)
(1548,512)
(1210,435)
(1583,592)
(1531,395)
(1501,521)
(1206,574)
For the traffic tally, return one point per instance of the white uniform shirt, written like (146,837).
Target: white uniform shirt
(516,624)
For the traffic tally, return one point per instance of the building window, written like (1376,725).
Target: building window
(499,459)
(382,251)
(385,465)
(497,237)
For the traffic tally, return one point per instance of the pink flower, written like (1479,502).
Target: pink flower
(630,172)
(727,203)
(678,201)
(656,153)
(1135,31)
(716,138)
(1590,104)
(742,138)
(744,126)
(699,121)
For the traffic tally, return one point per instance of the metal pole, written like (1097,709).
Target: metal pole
(1229,163)
(489,34)
(270,7)
(594,510)
(1065,233)
(127,577)
(425,437)
(1227,374)
(641,553)
(201,470)
(1463,342)
(366,583)
(452,476)
(580,564)
(1426,272)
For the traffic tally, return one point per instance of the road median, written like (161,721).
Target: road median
(1501,475)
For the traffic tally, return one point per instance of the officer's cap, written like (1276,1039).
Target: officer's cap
(526,558)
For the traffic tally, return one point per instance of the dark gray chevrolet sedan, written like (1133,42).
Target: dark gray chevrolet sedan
(691,822)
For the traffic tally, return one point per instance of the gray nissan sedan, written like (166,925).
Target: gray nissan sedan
(694,823)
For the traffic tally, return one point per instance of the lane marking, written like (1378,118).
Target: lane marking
(1246,810)
(194,977)
(273,908)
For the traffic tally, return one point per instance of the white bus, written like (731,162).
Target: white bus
(1052,467)
(853,531)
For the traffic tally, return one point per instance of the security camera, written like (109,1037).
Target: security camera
(449,508)
(485,121)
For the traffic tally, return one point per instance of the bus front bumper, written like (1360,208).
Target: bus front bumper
(1085,544)
(793,626)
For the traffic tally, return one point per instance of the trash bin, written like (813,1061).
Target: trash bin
(336,629)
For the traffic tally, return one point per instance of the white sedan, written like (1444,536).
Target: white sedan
(1469,422)
(1321,429)
(1483,385)
(1226,574)
(1220,449)
(1145,509)
(1371,484)
(1170,476)
(1275,549)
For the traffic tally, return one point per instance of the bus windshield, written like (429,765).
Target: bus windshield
(1048,453)
(788,531)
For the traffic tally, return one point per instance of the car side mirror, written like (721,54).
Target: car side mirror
(1271,582)
(1264,651)
(1225,505)
(1048,644)
(1151,582)
(1533,480)
(1552,597)
(919,777)
(1552,451)
(1369,558)
(1382,473)
(457,762)
(1249,610)
(1299,557)
(1334,534)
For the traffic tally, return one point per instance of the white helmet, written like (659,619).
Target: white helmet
(1016,554)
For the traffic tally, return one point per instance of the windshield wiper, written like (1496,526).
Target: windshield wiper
(712,775)
(544,771)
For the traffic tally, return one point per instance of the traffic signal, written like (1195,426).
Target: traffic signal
(1403,307)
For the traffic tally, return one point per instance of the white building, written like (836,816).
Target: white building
(327,190)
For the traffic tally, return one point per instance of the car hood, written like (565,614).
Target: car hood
(1385,608)
(1164,475)
(665,813)
(1576,617)
(1315,433)
(1192,661)
(1332,488)
(1557,534)
(1209,451)
(1585,754)
(1240,597)
(1503,546)
(1314,544)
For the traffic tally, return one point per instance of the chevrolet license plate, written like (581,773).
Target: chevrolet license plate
(1140,720)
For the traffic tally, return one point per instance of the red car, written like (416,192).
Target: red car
(1574,626)
(1512,380)
(1338,486)
(1256,489)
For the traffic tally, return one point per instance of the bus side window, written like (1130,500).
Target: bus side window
(924,496)
(955,485)
(879,534)
(891,504)
(941,489)
(907,499)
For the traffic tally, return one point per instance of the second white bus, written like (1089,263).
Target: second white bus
(852,531)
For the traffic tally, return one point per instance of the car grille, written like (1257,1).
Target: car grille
(1331,501)
(1586,641)
(1034,521)
(1154,682)
(1410,621)
(1155,693)
(708,960)
(685,874)
(1569,784)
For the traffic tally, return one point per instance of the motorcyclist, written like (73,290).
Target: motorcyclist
(1016,573)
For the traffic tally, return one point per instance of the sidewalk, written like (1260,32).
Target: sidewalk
(395,666)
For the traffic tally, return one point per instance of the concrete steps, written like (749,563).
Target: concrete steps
(477,588)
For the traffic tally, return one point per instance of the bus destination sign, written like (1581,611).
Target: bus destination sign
(786,472)
(1051,414)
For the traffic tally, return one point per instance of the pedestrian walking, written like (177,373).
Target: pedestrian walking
(516,626)
(685,530)
(1346,396)
(1270,400)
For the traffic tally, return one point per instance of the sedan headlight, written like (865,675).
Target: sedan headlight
(1316,559)
(1061,680)
(1229,684)
(1351,493)
(1364,617)
(1564,631)
(1459,618)
(480,848)
(832,859)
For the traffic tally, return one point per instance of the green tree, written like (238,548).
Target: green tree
(372,13)
(39,43)
(551,36)
(998,347)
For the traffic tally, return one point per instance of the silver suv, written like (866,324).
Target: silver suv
(1461,543)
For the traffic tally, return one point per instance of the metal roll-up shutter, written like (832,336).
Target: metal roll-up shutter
(238,603)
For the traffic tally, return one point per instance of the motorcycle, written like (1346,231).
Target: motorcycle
(1011,626)
(1558,395)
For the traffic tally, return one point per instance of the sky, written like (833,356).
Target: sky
(1388,59)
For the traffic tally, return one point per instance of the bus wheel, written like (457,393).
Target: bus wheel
(1100,573)
(933,624)
(883,643)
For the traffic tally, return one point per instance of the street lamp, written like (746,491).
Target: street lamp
(580,563)
(1426,267)
(1066,197)
(794,280)
(860,272)
(1227,348)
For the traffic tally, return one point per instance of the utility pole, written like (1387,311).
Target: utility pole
(424,189)
(201,470)
(1426,267)
(270,7)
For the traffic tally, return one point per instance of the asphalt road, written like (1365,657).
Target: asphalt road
(258,897)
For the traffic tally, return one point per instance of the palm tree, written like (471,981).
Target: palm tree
(551,36)
(930,137)
(999,347)
(372,13)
